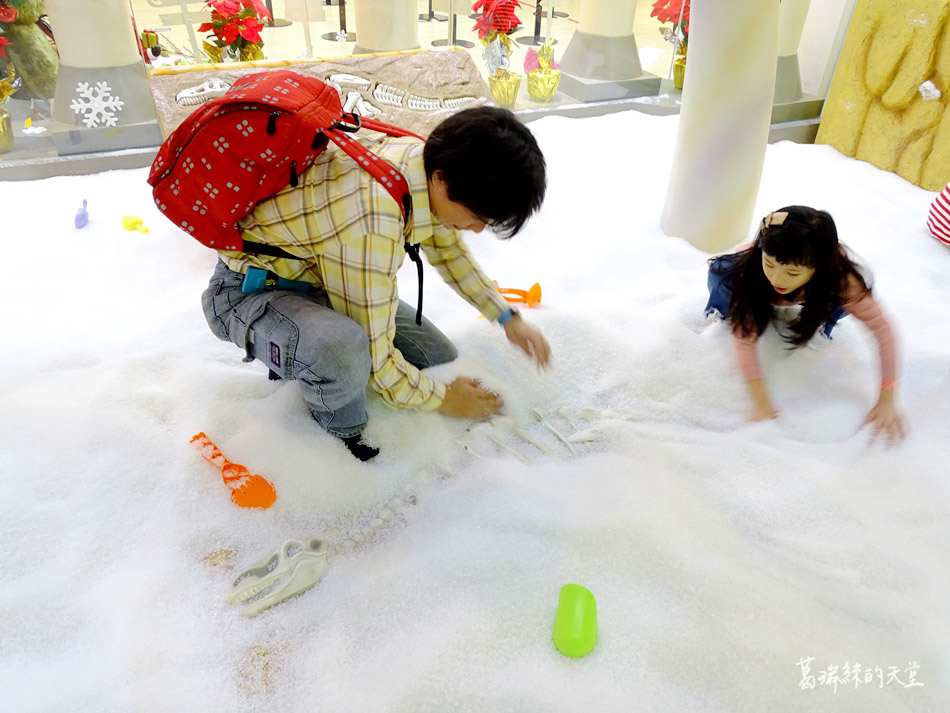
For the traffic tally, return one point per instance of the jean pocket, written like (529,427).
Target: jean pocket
(216,307)
(275,342)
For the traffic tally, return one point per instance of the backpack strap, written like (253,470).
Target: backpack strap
(390,179)
(253,248)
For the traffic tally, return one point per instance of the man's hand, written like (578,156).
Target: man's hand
(529,339)
(467,398)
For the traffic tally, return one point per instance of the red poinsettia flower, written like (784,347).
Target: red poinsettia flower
(497,16)
(225,7)
(252,30)
(4,42)
(229,32)
(236,24)
(669,11)
(259,8)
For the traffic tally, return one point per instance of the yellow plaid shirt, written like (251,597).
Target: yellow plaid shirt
(348,231)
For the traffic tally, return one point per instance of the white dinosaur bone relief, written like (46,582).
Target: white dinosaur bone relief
(417,103)
(356,103)
(348,80)
(192,96)
(389,95)
(457,102)
(352,99)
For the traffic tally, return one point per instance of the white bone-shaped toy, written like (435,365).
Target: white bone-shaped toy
(293,568)
(203,92)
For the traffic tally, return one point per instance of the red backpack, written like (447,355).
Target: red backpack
(248,144)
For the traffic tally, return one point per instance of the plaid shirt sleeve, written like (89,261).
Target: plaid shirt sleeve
(446,252)
(359,276)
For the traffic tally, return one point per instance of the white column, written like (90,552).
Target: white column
(791,23)
(607,18)
(792,14)
(386,25)
(93,33)
(603,47)
(724,122)
(102,101)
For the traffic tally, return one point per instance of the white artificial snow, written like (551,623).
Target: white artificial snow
(721,553)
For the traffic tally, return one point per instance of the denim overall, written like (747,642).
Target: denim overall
(720,292)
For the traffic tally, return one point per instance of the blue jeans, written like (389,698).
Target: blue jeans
(300,337)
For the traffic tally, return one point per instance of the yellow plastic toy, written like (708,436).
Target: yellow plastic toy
(131,222)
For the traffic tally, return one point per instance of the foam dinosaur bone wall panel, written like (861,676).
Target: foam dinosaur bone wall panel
(414,90)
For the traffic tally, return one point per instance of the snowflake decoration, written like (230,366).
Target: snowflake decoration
(96,104)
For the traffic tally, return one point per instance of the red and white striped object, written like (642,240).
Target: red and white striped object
(939,221)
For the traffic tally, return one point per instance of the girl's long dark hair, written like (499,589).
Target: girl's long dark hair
(807,237)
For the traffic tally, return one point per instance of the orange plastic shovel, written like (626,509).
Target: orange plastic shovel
(532,297)
(247,489)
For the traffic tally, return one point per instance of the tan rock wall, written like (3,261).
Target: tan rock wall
(426,78)
(880,108)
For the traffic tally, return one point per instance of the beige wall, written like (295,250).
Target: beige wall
(879,108)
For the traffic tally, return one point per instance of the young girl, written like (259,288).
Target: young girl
(797,274)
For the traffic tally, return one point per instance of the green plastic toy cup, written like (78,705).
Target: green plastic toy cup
(575,624)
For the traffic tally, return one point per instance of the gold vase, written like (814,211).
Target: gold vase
(542,83)
(504,87)
(6,131)
(679,71)
(251,53)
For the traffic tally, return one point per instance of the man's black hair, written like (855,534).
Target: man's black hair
(491,164)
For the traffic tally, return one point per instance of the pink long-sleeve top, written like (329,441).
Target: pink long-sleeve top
(858,302)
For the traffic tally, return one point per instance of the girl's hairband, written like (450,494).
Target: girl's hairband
(775,218)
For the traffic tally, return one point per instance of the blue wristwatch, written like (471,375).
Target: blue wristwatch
(506,316)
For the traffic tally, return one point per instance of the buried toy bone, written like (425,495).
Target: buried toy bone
(540,417)
(293,568)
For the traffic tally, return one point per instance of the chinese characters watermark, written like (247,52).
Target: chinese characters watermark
(855,675)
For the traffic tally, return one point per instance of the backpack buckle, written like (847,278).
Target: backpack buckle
(354,119)
(257,280)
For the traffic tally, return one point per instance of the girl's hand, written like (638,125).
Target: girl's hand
(762,409)
(529,339)
(763,412)
(885,418)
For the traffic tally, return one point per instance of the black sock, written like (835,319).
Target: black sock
(359,449)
